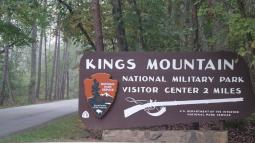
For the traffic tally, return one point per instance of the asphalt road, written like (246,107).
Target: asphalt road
(16,119)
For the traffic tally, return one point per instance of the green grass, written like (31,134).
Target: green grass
(68,128)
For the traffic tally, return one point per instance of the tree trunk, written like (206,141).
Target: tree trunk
(241,7)
(38,83)
(97,25)
(120,30)
(63,72)
(57,68)
(169,4)
(67,78)
(113,44)
(53,65)
(62,75)
(11,96)
(209,25)
(31,93)
(67,71)
(5,74)
(195,25)
(187,21)
(6,91)
(46,66)
(140,24)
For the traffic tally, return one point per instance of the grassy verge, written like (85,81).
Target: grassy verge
(68,128)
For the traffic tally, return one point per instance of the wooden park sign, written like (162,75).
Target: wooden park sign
(124,90)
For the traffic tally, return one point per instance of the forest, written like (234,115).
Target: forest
(42,41)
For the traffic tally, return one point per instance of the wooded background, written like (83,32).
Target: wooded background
(41,41)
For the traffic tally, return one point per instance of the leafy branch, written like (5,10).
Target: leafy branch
(79,25)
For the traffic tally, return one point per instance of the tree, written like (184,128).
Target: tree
(79,24)
(14,32)
(32,88)
(42,32)
(195,25)
(54,61)
(140,24)
(120,30)
(64,71)
(46,66)
(57,67)
(6,91)
(97,25)
(38,83)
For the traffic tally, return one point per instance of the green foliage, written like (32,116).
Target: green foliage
(239,27)
(160,31)
(11,34)
(69,22)
(240,124)
(16,19)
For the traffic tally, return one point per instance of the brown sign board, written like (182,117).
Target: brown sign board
(129,89)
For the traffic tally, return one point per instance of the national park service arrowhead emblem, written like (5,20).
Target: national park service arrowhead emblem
(100,92)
